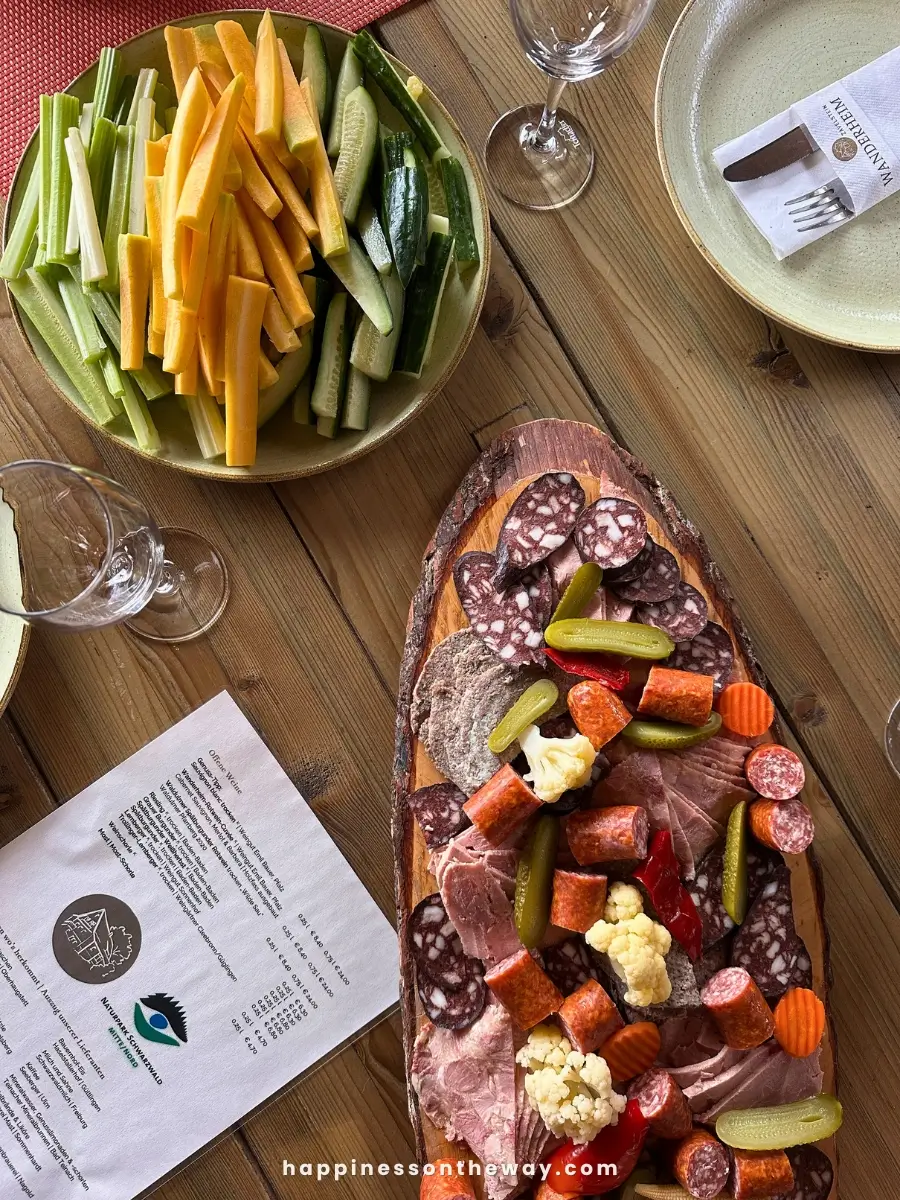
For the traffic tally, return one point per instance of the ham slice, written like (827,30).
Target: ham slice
(481,911)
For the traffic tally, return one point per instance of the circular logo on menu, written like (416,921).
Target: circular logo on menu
(844,149)
(96,939)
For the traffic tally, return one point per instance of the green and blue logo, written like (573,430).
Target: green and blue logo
(160,1018)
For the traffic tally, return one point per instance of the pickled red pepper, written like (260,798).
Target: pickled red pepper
(573,1166)
(659,873)
(591,666)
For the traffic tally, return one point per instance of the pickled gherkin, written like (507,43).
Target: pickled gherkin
(534,880)
(782,1126)
(582,587)
(735,888)
(609,637)
(534,702)
(665,735)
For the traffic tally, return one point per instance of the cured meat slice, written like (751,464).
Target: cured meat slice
(588,1017)
(681,696)
(758,1174)
(612,834)
(657,582)
(579,898)
(775,772)
(706,892)
(499,807)
(541,519)
(813,1174)
(738,1008)
(682,616)
(510,622)
(439,811)
(709,652)
(457,1009)
(611,532)
(786,825)
(451,985)
(632,570)
(569,965)
(524,989)
(701,1165)
(663,1103)
(767,944)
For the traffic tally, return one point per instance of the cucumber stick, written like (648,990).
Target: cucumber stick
(363,283)
(405,203)
(423,304)
(394,87)
(350,76)
(316,69)
(356,400)
(372,237)
(373,353)
(459,210)
(358,141)
(318,293)
(328,390)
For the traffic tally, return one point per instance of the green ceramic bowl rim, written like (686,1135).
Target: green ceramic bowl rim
(668,178)
(219,471)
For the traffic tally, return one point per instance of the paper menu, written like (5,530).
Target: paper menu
(177,943)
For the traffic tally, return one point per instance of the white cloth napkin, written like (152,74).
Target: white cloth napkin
(861,110)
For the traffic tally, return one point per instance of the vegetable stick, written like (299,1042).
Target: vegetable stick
(249,260)
(300,130)
(282,183)
(253,180)
(124,97)
(45,162)
(326,205)
(142,424)
(240,55)
(73,238)
(134,292)
(117,209)
(64,115)
(244,306)
(156,342)
(182,56)
(209,428)
(206,175)
(137,212)
(267,372)
(109,69)
(24,228)
(268,82)
(193,113)
(181,334)
(196,271)
(155,157)
(300,176)
(278,327)
(277,264)
(143,90)
(746,709)
(100,161)
(799,1022)
(295,240)
(234,176)
(210,331)
(112,376)
(208,48)
(84,323)
(186,381)
(93,255)
(153,198)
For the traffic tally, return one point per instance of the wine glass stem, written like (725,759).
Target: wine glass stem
(544,136)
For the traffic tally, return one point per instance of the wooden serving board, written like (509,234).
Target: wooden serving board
(471,522)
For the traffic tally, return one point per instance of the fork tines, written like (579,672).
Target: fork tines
(816,209)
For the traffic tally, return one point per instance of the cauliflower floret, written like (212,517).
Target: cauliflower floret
(572,1092)
(636,948)
(556,764)
(623,902)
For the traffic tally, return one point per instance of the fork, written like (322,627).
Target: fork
(818,209)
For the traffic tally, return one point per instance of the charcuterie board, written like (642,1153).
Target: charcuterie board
(472,522)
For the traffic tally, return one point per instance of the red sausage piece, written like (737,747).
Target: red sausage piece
(739,1008)
(701,1165)
(524,989)
(775,772)
(588,1017)
(579,899)
(681,696)
(785,825)
(446,1183)
(761,1174)
(499,807)
(663,1103)
(613,834)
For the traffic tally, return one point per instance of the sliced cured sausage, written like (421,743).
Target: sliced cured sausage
(657,582)
(739,1008)
(775,772)
(663,1103)
(614,834)
(524,989)
(579,899)
(588,1017)
(761,1174)
(510,622)
(632,570)
(499,807)
(706,892)
(682,616)
(701,1165)
(710,652)
(611,532)
(569,964)
(681,696)
(597,712)
(457,1009)
(446,1182)
(813,1174)
(785,825)
(767,944)
(541,519)
(439,811)
(450,983)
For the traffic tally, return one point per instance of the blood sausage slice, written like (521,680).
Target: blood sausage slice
(682,616)
(511,622)
(767,944)
(439,811)
(611,532)
(450,983)
(657,582)
(569,964)
(540,521)
(710,652)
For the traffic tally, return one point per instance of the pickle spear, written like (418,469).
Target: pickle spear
(534,880)
(783,1126)
(534,702)
(735,888)
(665,735)
(609,637)
(582,586)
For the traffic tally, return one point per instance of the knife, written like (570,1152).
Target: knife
(790,148)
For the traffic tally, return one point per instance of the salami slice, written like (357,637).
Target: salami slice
(511,623)
(706,892)
(569,965)
(450,983)
(709,652)
(611,532)
(540,521)
(813,1174)
(682,616)
(701,1165)
(767,945)
(785,825)
(439,811)
(656,583)
(775,772)
(632,570)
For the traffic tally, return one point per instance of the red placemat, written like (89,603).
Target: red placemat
(44,44)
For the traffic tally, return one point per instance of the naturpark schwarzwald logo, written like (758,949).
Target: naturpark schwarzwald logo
(160,1018)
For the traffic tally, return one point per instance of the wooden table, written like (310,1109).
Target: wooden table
(785,452)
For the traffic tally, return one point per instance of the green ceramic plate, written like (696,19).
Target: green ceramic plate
(731,64)
(286,450)
(13,632)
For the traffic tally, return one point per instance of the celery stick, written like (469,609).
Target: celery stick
(144,89)
(40,263)
(40,302)
(93,257)
(112,376)
(100,160)
(117,209)
(45,153)
(64,116)
(109,68)
(84,323)
(73,237)
(24,227)
(209,427)
(145,432)
(122,106)
(136,206)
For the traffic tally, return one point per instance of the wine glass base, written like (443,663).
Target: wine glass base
(533,178)
(892,738)
(192,593)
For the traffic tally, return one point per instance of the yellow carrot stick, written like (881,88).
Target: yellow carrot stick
(182,55)
(300,175)
(282,183)
(295,240)
(239,52)
(326,204)
(244,306)
(253,180)
(186,380)
(234,176)
(267,372)
(181,336)
(210,318)
(208,48)
(134,292)
(190,120)
(277,264)
(196,270)
(300,130)
(206,175)
(155,156)
(153,205)
(278,327)
(249,260)
(156,342)
(269,84)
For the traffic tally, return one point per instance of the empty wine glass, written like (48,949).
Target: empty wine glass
(541,157)
(90,555)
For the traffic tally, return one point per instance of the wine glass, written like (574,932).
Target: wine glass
(89,555)
(541,157)
(892,738)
